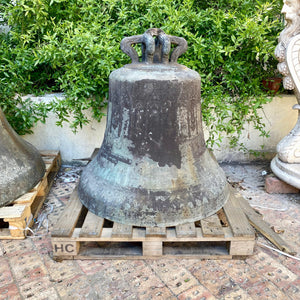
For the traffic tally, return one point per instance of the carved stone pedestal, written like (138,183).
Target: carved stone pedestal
(286,165)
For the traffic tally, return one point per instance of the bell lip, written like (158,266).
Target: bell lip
(161,224)
(127,204)
(13,190)
(139,222)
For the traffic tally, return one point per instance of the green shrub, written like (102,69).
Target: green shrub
(73,45)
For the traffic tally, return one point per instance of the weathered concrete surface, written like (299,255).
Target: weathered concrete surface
(277,115)
(21,165)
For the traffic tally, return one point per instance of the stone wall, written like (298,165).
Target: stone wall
(277,115)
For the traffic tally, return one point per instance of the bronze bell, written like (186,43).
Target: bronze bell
(153,168)
(21,165)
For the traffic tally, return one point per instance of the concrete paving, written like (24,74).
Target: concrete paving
(27,270)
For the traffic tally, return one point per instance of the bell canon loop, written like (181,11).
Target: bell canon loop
(153,168)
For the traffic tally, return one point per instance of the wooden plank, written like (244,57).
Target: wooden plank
(263,227)
(156,232)
(12,212)
(186,230)
(152,248)
(89,255)
(211,226)
(237,219)
(26,198)
(92,226)
(67,221)
(121,230)
(49,152)
(139,233)
(42,186)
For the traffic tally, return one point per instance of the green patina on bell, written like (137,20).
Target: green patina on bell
(21,165)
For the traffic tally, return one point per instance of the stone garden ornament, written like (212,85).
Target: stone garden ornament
(286,164)
(21,166)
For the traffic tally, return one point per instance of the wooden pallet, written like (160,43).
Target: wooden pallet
(16,218)
(79,234)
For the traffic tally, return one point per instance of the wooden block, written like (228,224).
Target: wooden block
(121,230)
(211,226)
(65,247)
(17,228)
(236,218)
(17,225)
(92,226)
(67,221)
(241,247)
(152,248)
(12,212)
(186,230)
(156,232)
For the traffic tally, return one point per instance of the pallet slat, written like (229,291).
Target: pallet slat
(211,226)
(27,198)
(67,222)
(121,230)
(12,212)
(237,219)
(92,226)
(184,230)
(156,231)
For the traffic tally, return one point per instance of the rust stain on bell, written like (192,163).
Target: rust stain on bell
(21,165)
(153,168)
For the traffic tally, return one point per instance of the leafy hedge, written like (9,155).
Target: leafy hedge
(73,45)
